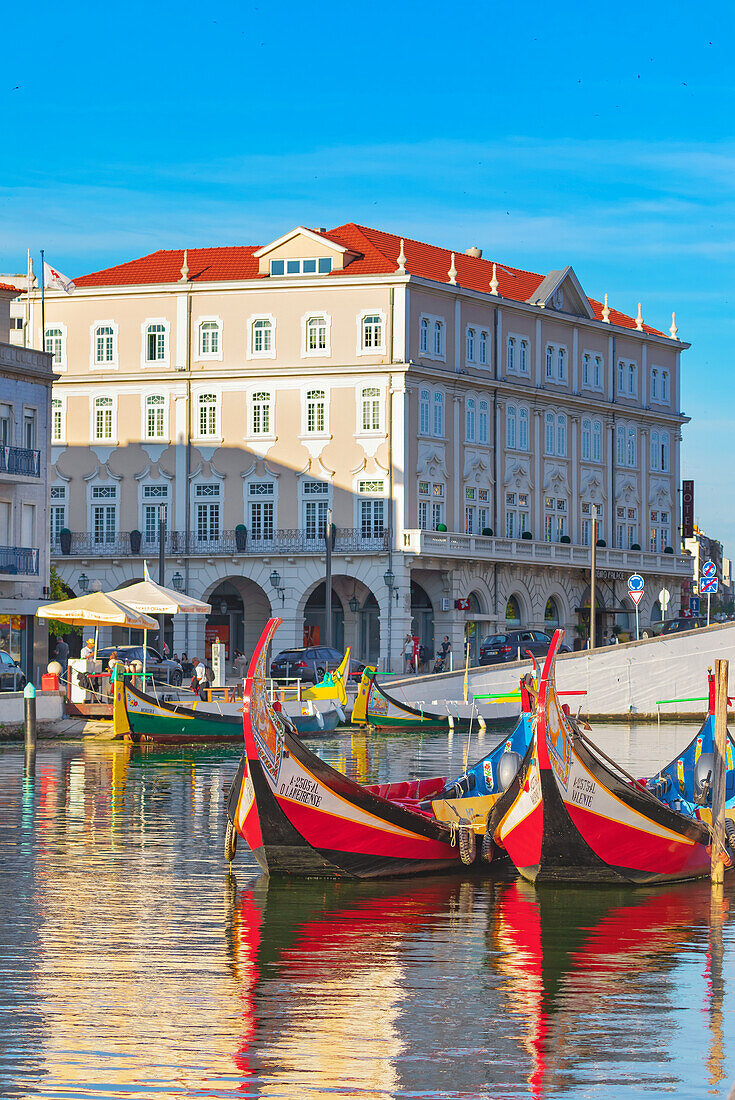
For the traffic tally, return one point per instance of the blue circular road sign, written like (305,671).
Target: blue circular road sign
(709,569)
(635,583)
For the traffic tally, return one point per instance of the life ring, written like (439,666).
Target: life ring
(230,841)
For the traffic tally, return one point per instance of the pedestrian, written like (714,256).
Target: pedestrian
(442,656)
(408,652)
(195,678)
(166,651)
(88,650)
(61,653)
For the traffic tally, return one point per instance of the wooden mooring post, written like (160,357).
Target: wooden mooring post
(717,867)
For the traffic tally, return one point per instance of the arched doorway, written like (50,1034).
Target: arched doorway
(369,630)
(473,628)
(226,620)
(315,617)
(422,611)
(601,618)
(513,613)
(552,619)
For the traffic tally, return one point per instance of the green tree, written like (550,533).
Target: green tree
(60,592)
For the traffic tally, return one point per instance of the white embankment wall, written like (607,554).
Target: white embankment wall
(49,707)
(623,681)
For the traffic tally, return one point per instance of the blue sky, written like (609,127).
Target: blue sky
(550,134)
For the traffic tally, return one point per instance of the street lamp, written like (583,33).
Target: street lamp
(390,583)
(177,581)
(354,604)
(275,579)
(83,582)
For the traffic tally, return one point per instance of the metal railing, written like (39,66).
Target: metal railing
(20,460)
(289,541)
(22,560)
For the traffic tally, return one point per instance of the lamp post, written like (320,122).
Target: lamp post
(177,581)
(275,579)
(390,582)
(83,583)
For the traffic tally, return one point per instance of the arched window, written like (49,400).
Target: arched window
(155,405)
(523,361)
(483,419)
(632,446)
(424,335)
(484,339)
(207,414)
(424,411)
(261,416)
(103,418)
(654,384)
(510,426)
(522,429)
(471,345)
(549,435)
(632,378)
(469,419)
(372,332)
(586,439)
(209,338)
(620,445)
(586,360)
(438,413)
(621,376)
(562,361)
(316,334)
(551,613)
(104,345)
(597,441)
(561,435)
(57,421)
(54,344)
(549,361)
(665,386)
(370,409)
(155,343)
(655,453)
(316,411)
(511,354)
(513,612)
(438,337)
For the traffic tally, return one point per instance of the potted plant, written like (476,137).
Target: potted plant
(600,542)
(526,535)
(135,540)
(565,538)
(65,540)
(487,531)
(241,536)
(669,550)
(636,546)
(441,526)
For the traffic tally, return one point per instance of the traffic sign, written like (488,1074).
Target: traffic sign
(708,587)
(636,597)
(663,598)
(636,583)
(709,569)
(694,605)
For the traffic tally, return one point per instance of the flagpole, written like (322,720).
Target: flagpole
(43,305)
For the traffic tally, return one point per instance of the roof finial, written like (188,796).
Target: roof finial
(673,330)
(185,268)
(401,270)
(639,319)
(606,312)
(494,281)
(452,273)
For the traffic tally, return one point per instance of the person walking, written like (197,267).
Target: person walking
(440,665)
(408,652)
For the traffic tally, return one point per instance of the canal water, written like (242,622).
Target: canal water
(132,965)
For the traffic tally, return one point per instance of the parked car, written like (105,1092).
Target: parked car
(11,675)
(310,664)
(674,626)
(500,648)
(163,669)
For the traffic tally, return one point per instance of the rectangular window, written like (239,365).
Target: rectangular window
(315,518)
(57,420)
(315,411)
(586,369)
(104,345)
(372,332)
(104,523)
(423,515)
(484,342)
(209,338)
(523,363)
(207,414)
(103,407)
(151,521)
(370,409)
(482,422)
(57,520)
(207,522)
(439,414)
(154,416)
(438,338)
(372,513)
(262,518)
(261,414)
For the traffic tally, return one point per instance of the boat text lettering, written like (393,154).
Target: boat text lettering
(582,791)
(300,788)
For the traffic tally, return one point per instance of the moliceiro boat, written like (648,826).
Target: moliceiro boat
(300,816)
(376,706)
(573,815)
(142,717)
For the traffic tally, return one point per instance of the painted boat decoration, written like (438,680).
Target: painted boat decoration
(572,815)
(140,716)
(300,816)
(333,685)
(383,711)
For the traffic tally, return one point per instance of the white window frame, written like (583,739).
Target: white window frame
(483,362)
(144,425)
(378,349)
(595,359)
(155,364)
(112,441)
(430,353)
(250,352)
(426,398)
(196,397)
(305,498)
(470,418)
(218,499)
(438,400)
(250,433)
(111,364)
(317,353)
(62,433)
(483,422)
(380,398)
(57,503)
(556,350)
(624,390)
(51,327)
(153,502)
(664,375)
(305,390)
(93,503)
(361,494)
(520,342)
(209,356)
(471,344)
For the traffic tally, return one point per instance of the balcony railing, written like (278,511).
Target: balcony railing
(527,551)
(20,460)
(22,560)
(231,543)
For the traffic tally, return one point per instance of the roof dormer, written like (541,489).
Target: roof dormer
(562,292)
(303,252)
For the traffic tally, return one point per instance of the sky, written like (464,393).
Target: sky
(597,136)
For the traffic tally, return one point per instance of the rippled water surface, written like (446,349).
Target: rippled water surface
(132,965)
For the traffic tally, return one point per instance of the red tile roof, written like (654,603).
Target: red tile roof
(377,254)
(13,289)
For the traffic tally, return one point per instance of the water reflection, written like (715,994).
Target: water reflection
(132,966)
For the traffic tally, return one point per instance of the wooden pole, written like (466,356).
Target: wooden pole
(593,570)
(717,873)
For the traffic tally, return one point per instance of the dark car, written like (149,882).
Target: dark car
(162,669)
(310,664)
(11,676)
(674,626)
(499,648)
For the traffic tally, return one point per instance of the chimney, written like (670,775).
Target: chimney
(319,229)
(474,251)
